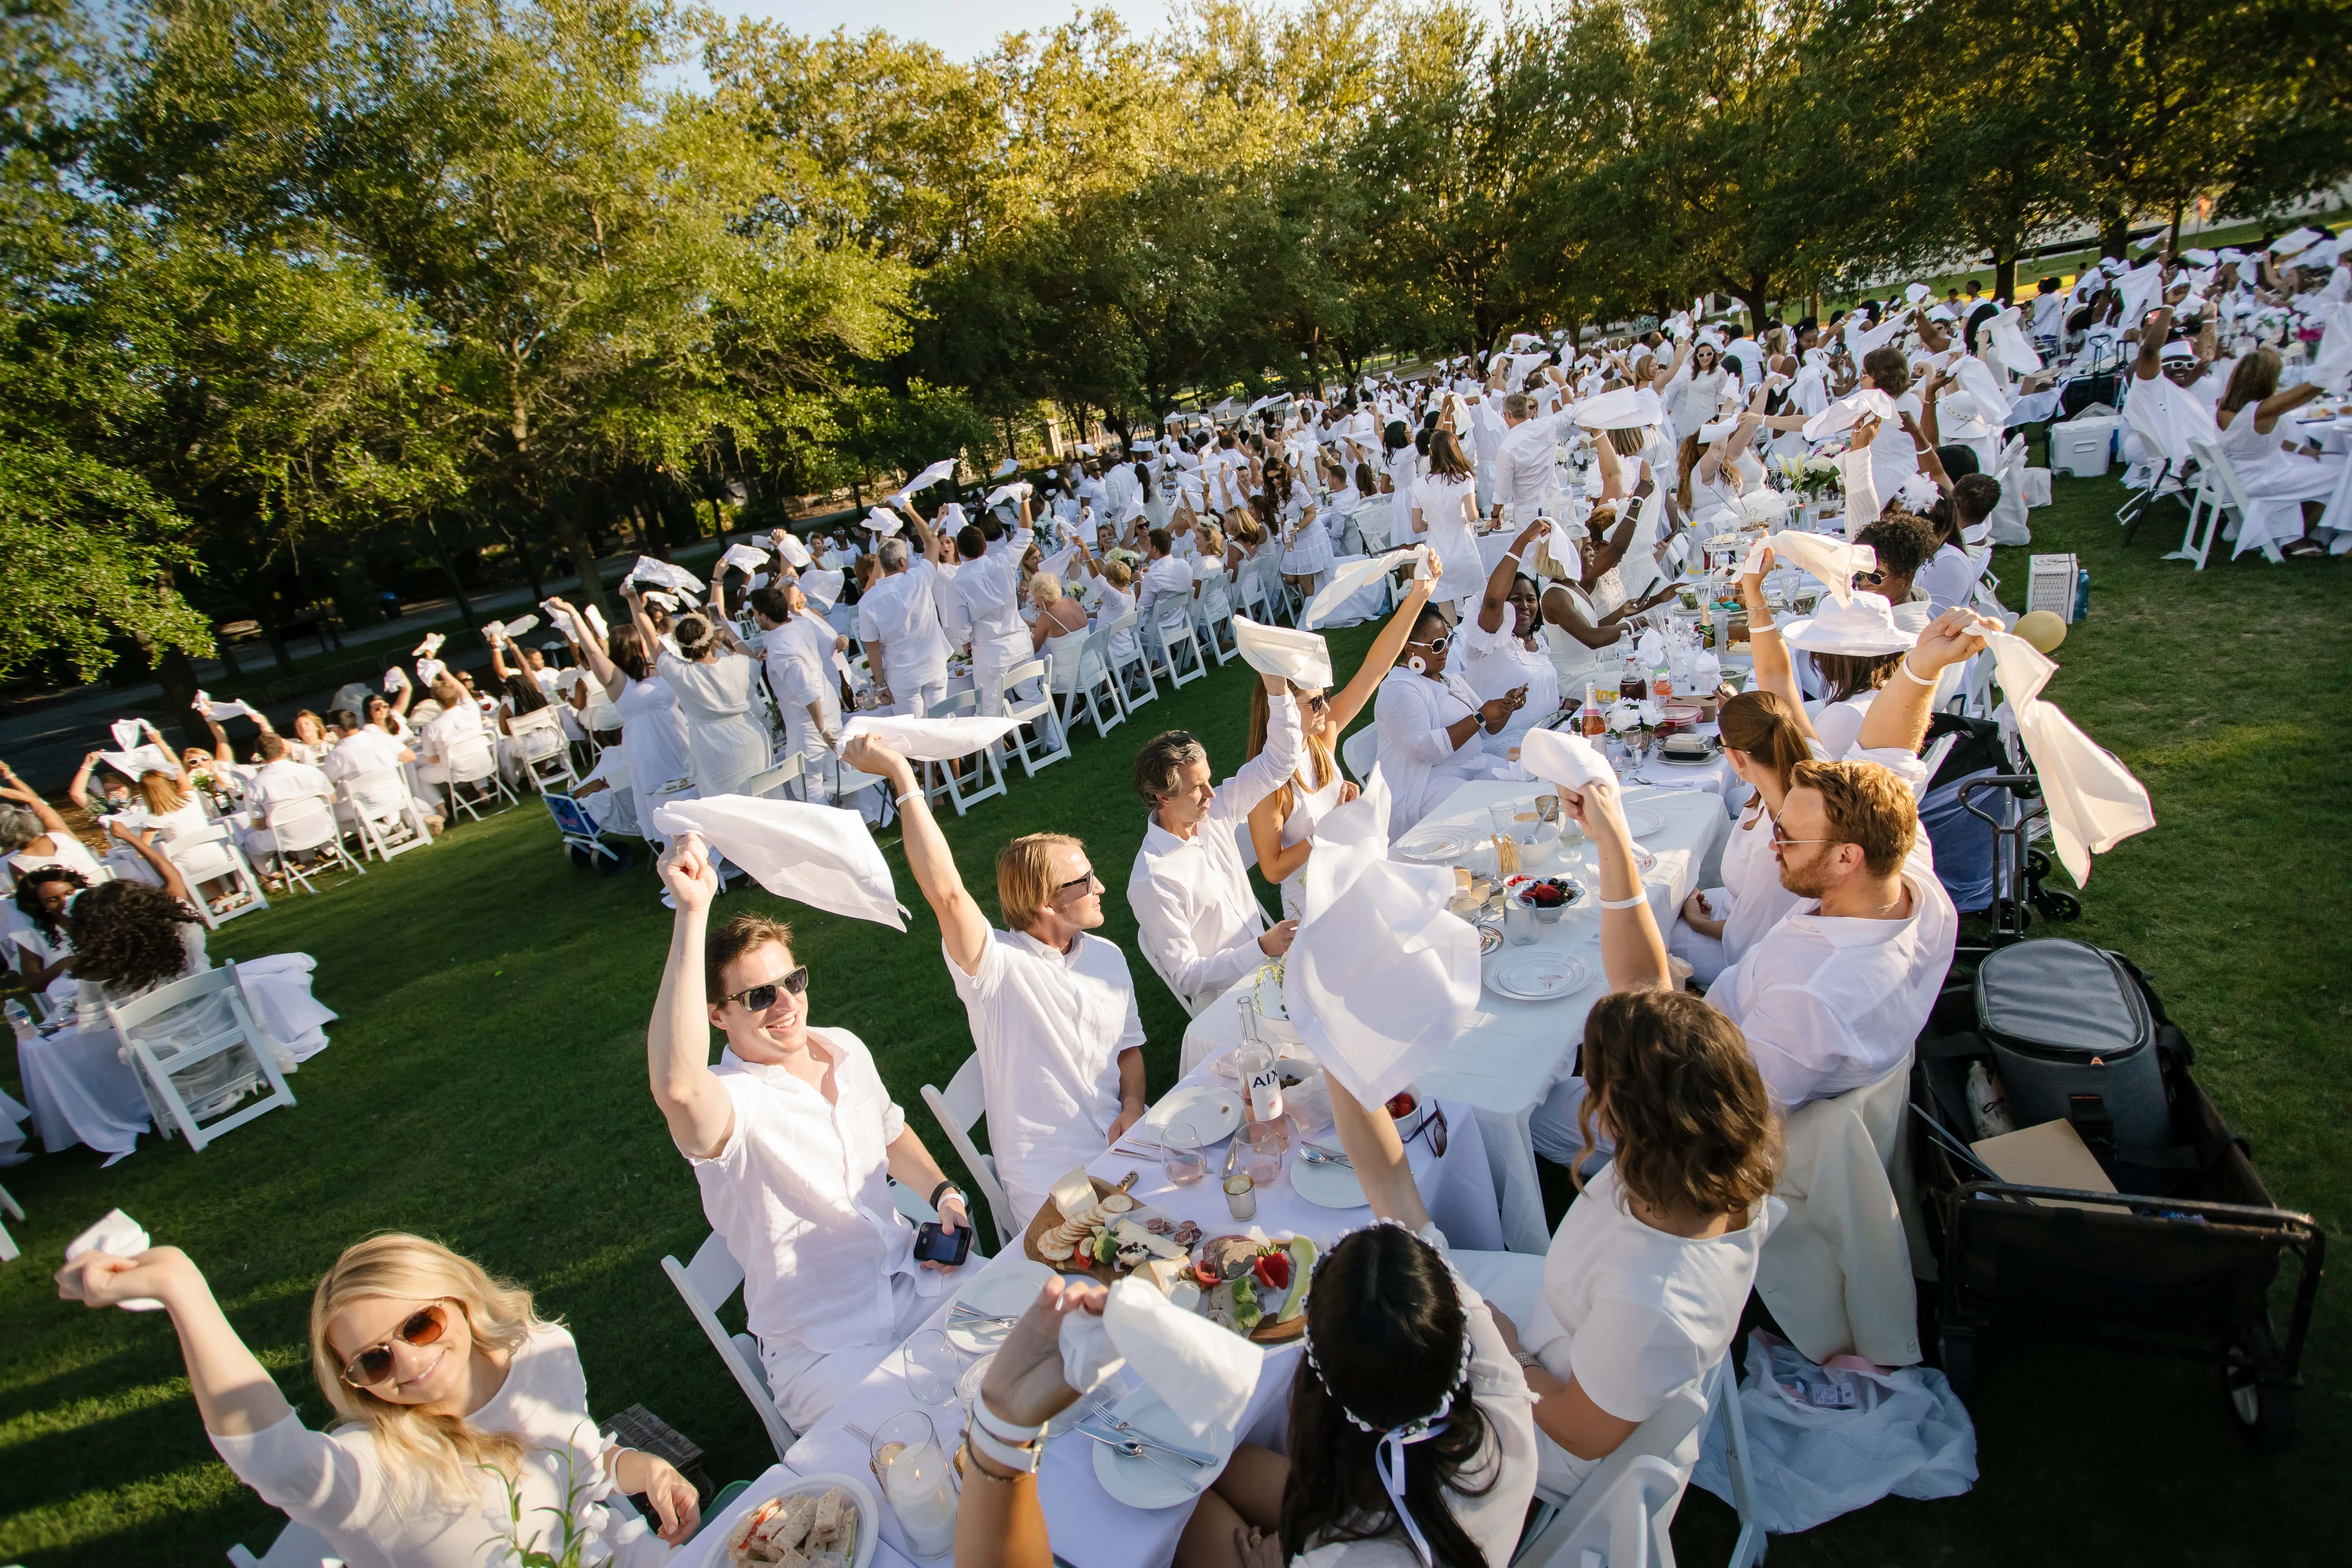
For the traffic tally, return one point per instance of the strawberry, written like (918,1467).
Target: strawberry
(1273,1269)
(1401,1106)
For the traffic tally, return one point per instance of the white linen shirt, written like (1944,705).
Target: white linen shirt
(1196,917)
(801,1191)
(1524,463)
(1412,714)
(282,781)
(901,614)
(1166,580)
(990,589)
(1049,1028)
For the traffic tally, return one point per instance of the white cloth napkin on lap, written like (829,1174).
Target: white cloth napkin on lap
(745,557)
(118,1235)
(1203,1373)
(2093,801)
(1303,658)
(1570,761)
(1348,579)
(821,855)
(931,740)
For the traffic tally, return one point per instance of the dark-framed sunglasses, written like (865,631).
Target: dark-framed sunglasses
(1084,880)
(1873,578)
(373,1365)
(760,998)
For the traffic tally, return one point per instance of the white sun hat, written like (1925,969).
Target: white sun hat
(1866,627)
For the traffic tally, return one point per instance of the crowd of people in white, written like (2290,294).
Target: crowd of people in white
(1442,1386)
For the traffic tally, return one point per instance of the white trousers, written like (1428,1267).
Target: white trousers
(806,1384)
(915,695)
(990,661)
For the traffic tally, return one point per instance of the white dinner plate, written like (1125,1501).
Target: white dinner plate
(1642,822)
(1439,845)
(869,1517)
(1002,1290)
(1540,975)
(1211,1113)
(1326,1186)
(1140,1482)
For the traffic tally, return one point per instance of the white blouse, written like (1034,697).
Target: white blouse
(1412,715)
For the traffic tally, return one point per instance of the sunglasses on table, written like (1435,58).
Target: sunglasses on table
(373,1365)
(760,998)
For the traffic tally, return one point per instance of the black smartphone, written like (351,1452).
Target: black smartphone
(931,1247)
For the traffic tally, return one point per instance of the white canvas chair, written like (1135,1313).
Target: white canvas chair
(1171,636)
(208,853)
(197,1053)
(942,778)
(304,824)
(1042,738)
(1085,685)
(383,815)
(9,1252)
(704,1285)
(297,1546)
(1361,753)
(473,761)
(773,783)
(1137,659)
(541,749)
(959,1111)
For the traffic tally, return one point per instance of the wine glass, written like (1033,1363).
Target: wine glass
(1181,1158)
(930,1365)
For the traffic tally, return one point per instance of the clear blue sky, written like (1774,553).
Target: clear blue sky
(961,28)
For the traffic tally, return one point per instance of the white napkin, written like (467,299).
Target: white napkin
(661,598)
(1203,1373)
(2008,341)
(118,1235)
(821,588)
(1861,482)
(1348,579)
(138,760)
(1303,658)
(1562,759)
(821,855)
(429,647)
(222,711)
(1831,560)
(564,625)
(649,569)
(394,678)
(931,740)
(1627,408)
(596,618)
(2333,363)
(1010,466)
(1847,412)
(795,553)
(429,671)
(1058,565)
(1914,293)
(943,468)
(126,731)
(1977,378)
(1769,508)
(511,629)
(745,557)
(884,524)
(1003,493)
(2093,801)
(1859,341)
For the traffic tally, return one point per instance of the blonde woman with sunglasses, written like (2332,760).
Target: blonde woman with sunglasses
(450,1393)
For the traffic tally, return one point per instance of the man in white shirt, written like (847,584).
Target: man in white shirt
(1051,1005)
(988,583)
(360,752)
(899,622)
(277,779)
(1524,464)
(1198,921)
(793,1142)
(797,652)
(1165,593)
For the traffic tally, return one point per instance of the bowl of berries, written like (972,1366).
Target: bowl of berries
(1548,897)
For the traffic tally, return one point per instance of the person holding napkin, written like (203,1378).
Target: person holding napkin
(1201,926)
(1051,1005)
(1428,718)
(793,1141)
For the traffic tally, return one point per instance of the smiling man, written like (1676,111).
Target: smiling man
(1051,1005)
(793,1141)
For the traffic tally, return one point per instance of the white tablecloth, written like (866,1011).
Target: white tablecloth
(81,1092)
(1090,1528)
(2336,521)
(1513,1052)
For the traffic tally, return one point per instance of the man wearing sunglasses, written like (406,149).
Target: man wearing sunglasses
(1051,1005)
(1200,923)
(793,1142)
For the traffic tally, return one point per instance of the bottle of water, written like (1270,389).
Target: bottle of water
(20,1021)
(2082,592)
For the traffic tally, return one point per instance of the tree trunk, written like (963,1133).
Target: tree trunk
(2115,234)
(2172,243)
(2004,274)
(450,568)
(571,532)
(718,520)
(177,675)
(1755,296)
(517,537)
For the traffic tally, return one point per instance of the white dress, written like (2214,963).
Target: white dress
(724,745)
(1574,665)
(1309,549)
(1444,507)
(2276,481)
(653,733)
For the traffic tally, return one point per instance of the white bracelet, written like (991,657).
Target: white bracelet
(1904,664)
(910,794)
(1022,1458)
(987,1420)
(1625,903)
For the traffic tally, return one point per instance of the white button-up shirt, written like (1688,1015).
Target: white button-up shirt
(802,1193)
(900,613)
(1829,1004)
(284,780)
(1524,464)
(1197,919)
(1412,715)
(1049,1028)
(990,589)
(1165,581)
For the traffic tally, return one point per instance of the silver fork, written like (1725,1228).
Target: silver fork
(1099,1409)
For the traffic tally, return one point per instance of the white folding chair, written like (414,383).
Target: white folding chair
(183,1041)
(297,1546)
(384,816)
(208,853)
(772,784)
(540,747)
(1723,1407)
(942,777)
(1361,753)
(10,1251)
(1042,738)
(304,824)
(959,1111)
(1213,610)
(704,1284)
(1137,658)
(1173,634)
(2217,491)
(1661,1441)
(472,760)
(1086,682)
(1627,1525)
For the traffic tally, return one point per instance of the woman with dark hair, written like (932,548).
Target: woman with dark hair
(1428,721)
(1400,466)
(1502,645)
(1306,542)
(653,730)
(45,951)
(1444,505)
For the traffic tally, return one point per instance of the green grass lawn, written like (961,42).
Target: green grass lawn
(487,1087)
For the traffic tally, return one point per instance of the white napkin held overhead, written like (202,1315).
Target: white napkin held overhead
(430,647)
(2093,801)
(1203,1373)
(429,671)
(1847,412)
(821,588)
(220,713)
(745,558)
(821,855)
(119,1236)
(1832,562)
(1303,658)
(509,631)
(930,740)
(795,553)
(126,733)
(1569,760)
(142,760)
(665,574)
(944,468)
(883,523)
(1348,579)
(1003,493)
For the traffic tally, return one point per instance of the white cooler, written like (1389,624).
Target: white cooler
(2083,446)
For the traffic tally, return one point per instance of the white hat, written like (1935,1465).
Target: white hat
(1627,408)
(1866,627)
(2179,349)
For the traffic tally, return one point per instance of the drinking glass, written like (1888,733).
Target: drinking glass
(1181,1158)
(931,1363)
(1262,1156)
(908,1462)
(1504,816)
(1519,922)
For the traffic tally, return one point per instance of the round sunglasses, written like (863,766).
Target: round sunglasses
(372,1365)
(760,998)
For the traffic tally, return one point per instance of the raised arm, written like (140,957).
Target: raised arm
(1632,953)
(923,534)
(160,863)
(678,1041)
(1773,671)
(1897,718)
(2154,328)
(592,650)
(17,790)
(497,640)
(1377,1152)
(962,928)
(1495,604)
(77,791)
(234,1394)
(1381,657)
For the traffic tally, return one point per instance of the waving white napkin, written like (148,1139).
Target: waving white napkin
(821,855)
(1831,560)
(1011,492)
(394,678)
(1203,1373)
(1859,341)
(795,553)
(944,468)
(1010,466)
(1847,412)
(1563,759)
(2008,341)
(661,598)
(1058,565)
(1627,408)
(821,588)
(667,574)
(883,523)
(220,713)
(126,731)
(1348,579)
(931,740)
(2093,801)
(150,757)
(2333,363)
(745,557)
(1861,481)
(118,1235)
(429,671)
(1303,658)
(508,629)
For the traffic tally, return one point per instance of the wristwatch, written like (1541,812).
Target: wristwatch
(943,1189)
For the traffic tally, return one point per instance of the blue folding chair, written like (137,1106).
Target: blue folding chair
(583,841)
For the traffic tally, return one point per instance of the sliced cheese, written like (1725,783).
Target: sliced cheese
(1072,1192)
(1131,1234)
(1164,1273)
